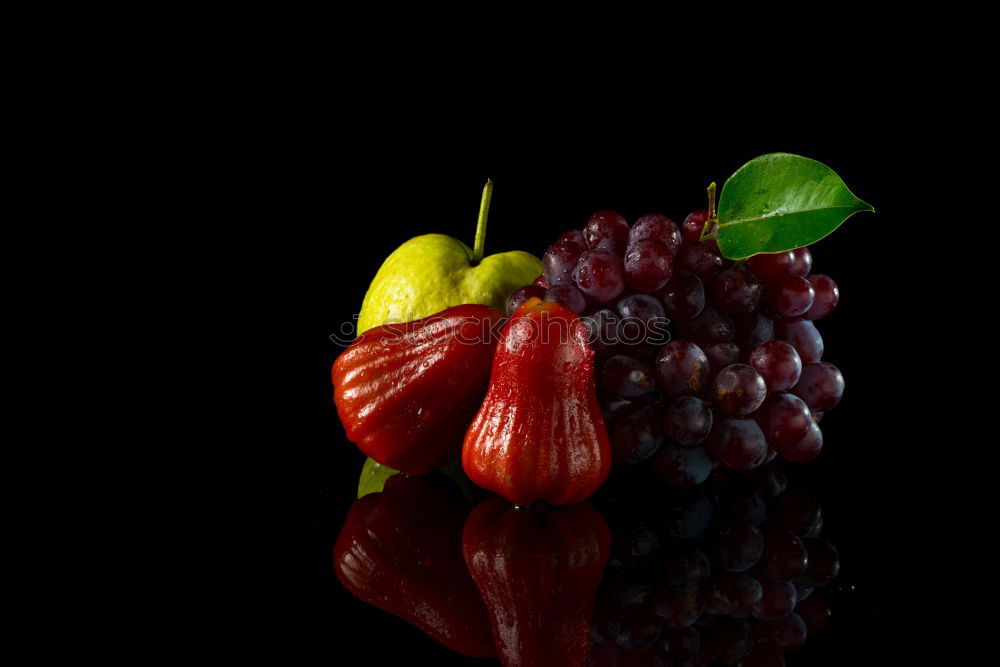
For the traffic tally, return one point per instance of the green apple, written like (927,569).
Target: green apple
(432,272)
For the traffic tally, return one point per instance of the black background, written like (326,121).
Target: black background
(344,209)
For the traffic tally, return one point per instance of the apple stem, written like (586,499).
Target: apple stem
(708,231)
(479,247)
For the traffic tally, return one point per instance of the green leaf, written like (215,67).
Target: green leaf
(781,201)
(373,476)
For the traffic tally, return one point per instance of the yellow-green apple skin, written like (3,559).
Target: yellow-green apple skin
(432,272)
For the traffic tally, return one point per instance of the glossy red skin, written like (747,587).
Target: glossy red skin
(538,573)
(400,550)
(539,434)
(407,402)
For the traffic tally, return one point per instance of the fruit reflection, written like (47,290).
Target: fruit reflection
(538,571)
(730,572)
(726,573)
(400,550)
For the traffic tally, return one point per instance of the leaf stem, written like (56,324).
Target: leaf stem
(708,231)
(484,210)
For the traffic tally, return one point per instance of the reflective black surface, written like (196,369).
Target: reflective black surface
(743,564)
(864,479)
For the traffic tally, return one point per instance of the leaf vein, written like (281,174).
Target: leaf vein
(796,212)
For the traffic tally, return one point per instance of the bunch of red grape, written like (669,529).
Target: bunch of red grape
(722,574)
(701,361)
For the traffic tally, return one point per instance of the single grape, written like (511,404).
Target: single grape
(803,336)
(753,329)
(790,296)
(805,449)
(710,327)
(777,599)
(778,363)
(682,467)
(559,261)
(815,613)
(821,386)
(600,275)
(522,294)
(785,556)
(737,444)
(636,437)
(638,632)
(648,265)
(738,390)
(683,296)
(827,297)
(642,320)
(785,420)
(568,296)
(687,421)
(602,327)
(737,290)
(658,227)
(681,367)
(626,377)
(796,511)
(824,563)
(802,261)
(737,546)
(685,570)
(677,609)
(772,266)
(700,259)
(786,634)
(608,230)
(693,225)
